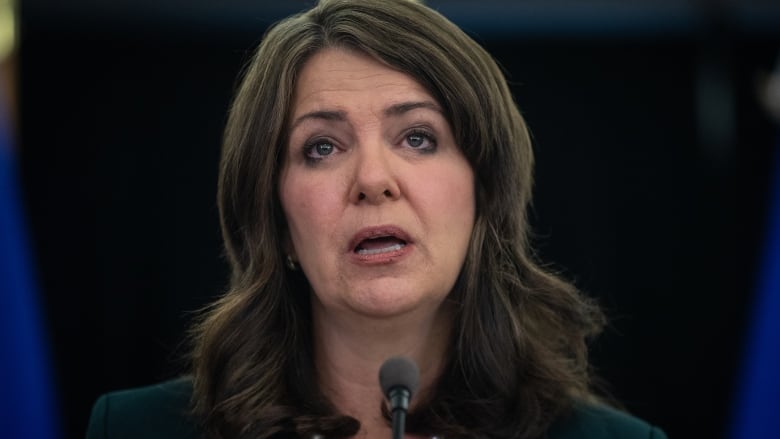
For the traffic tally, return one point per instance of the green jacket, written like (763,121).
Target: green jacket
(160,411)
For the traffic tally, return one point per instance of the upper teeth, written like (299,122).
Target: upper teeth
(390,248)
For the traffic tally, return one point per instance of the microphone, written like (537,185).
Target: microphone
(399,378)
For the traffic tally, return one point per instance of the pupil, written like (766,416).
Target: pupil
(415,140)
(324,148)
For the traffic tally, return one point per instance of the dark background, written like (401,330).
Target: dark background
(653,161)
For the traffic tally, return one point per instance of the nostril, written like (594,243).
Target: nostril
(361,196)
(387,193)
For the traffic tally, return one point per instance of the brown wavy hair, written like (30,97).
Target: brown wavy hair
(517,357)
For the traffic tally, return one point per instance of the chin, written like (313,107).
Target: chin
(393,302)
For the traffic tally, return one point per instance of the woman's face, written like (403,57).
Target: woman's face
(378,198)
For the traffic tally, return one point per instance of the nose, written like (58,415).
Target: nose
(375,179)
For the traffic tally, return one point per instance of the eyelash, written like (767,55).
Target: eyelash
(310,147)
(426,135)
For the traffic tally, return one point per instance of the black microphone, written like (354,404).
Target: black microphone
(399,378)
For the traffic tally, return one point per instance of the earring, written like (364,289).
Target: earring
(291,263)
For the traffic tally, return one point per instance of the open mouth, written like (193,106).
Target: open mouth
(379,244)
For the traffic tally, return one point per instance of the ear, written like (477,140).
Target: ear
(287,245)
(290,257)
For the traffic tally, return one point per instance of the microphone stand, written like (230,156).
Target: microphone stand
(399,401)
(399,378)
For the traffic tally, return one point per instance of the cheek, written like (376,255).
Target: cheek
(309,207)
(453,194)
(295,205)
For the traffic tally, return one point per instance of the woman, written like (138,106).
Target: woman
(373,190)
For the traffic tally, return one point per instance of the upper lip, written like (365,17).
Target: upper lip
(378,232)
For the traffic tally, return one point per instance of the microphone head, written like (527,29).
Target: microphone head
(399,372)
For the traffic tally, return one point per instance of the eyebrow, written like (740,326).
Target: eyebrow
(320,114)
(394,110)
(404,107)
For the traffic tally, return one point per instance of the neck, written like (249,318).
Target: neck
(350,350)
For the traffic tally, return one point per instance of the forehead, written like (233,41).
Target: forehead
(339,78)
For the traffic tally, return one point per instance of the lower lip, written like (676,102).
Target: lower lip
(393,254)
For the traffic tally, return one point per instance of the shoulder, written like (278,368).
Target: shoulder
(158,411)
(594,421)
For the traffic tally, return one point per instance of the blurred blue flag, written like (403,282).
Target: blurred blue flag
(757,412)
(26,397)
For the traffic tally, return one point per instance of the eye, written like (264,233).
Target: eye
(420,140)
(323,148)
(318,149)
